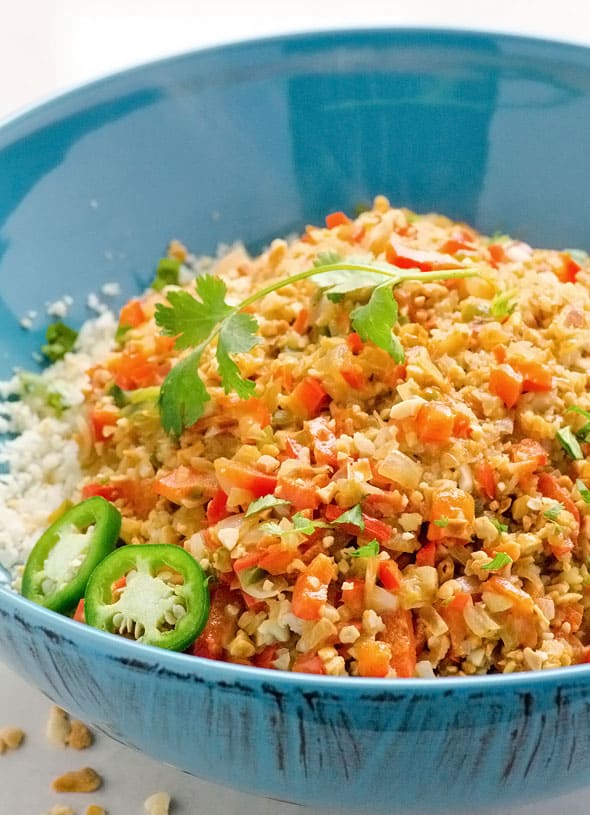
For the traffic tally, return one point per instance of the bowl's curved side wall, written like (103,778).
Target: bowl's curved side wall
(383,751)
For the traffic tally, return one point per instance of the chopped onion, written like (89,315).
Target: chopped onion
(379,599)
(398,467)
(479,621)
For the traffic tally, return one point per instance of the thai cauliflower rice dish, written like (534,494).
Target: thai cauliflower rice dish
(363,452)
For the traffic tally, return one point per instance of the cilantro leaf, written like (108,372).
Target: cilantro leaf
(583,490)
(339,282)
(237,335)
(167,273)
(502,305)
(554,511)
(500,560)
(60,339)
(441,522)
(353,516)
(183,395)
(266,502)
(375,321)
(301,524)
(499,525)
(570,443)
(370,549)
(190,320)
(305,525)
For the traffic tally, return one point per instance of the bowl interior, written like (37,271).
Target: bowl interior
(253,141)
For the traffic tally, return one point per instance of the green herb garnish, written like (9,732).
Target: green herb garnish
(442,522)
(500,560)
(584,491)
(570,443)
(266,502)
(33,385)
(499,525)
(370,549)
(167,273)
(197,322)
(60,339)
(353,516)
(583,434)
(554,511)
(301,524)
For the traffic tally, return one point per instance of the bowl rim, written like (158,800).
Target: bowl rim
(179,664)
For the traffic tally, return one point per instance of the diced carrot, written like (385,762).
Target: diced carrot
(452,504)
(266,657)
(184,482)
(535,377)
(246,561)
(101,419)
(323,441)
(253,409)
(311,588)
(162,344)
(373,658)
(301,322)
(506,383)
(217,508)
(308,664)
(252,603)
(132,314)
(79,613)
(275,558)
(569,269)
(132,370)
(501,585)
(550,488)
(426,555)
(353,595)
(452,614)
(231,473)
(434,423)
(308,398)
(301,494)
(462,426)
(399,635)
(460,600)
(353,375)
(487,479)
(389,574)
(336,219)
(354,342)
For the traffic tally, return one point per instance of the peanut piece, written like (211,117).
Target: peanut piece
(11,738)
(157,804)
(94,809)
(58,726)
(80,736)
(84,780)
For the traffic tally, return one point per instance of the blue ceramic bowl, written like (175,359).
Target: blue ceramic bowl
(249,142)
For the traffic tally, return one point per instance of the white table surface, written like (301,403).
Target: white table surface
(50,45)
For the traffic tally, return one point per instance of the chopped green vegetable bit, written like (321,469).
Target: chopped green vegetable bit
(583,434)
(584,491)
(353,516)
(441,522)
(499,525)
(266,502)
(167,273)
(327,259)
(370,549)
(502,305)
(500,560)
(301,524)
(554,511)
(570,443)
(60,339)
(34,386)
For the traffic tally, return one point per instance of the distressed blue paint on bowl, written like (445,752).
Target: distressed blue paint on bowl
(248,142)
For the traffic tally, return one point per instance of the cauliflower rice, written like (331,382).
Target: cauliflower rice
(464,463)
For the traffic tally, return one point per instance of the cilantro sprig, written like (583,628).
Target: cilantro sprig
(196,321)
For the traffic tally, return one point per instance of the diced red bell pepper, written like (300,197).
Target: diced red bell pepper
(266,657)
(374,528)
(132,314)
(323,441)
(486,479)
(231,473)
(301,495)
(399,634)
(100,419)
(405,257)
(569,270)
(308,398)
(354,342)
(217,508)
(506,383)
(311,588)
(550,488)
(308,664)
(184,482)
(426,555)
(336,219)
(353,595)
(389,574)
(79,613)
